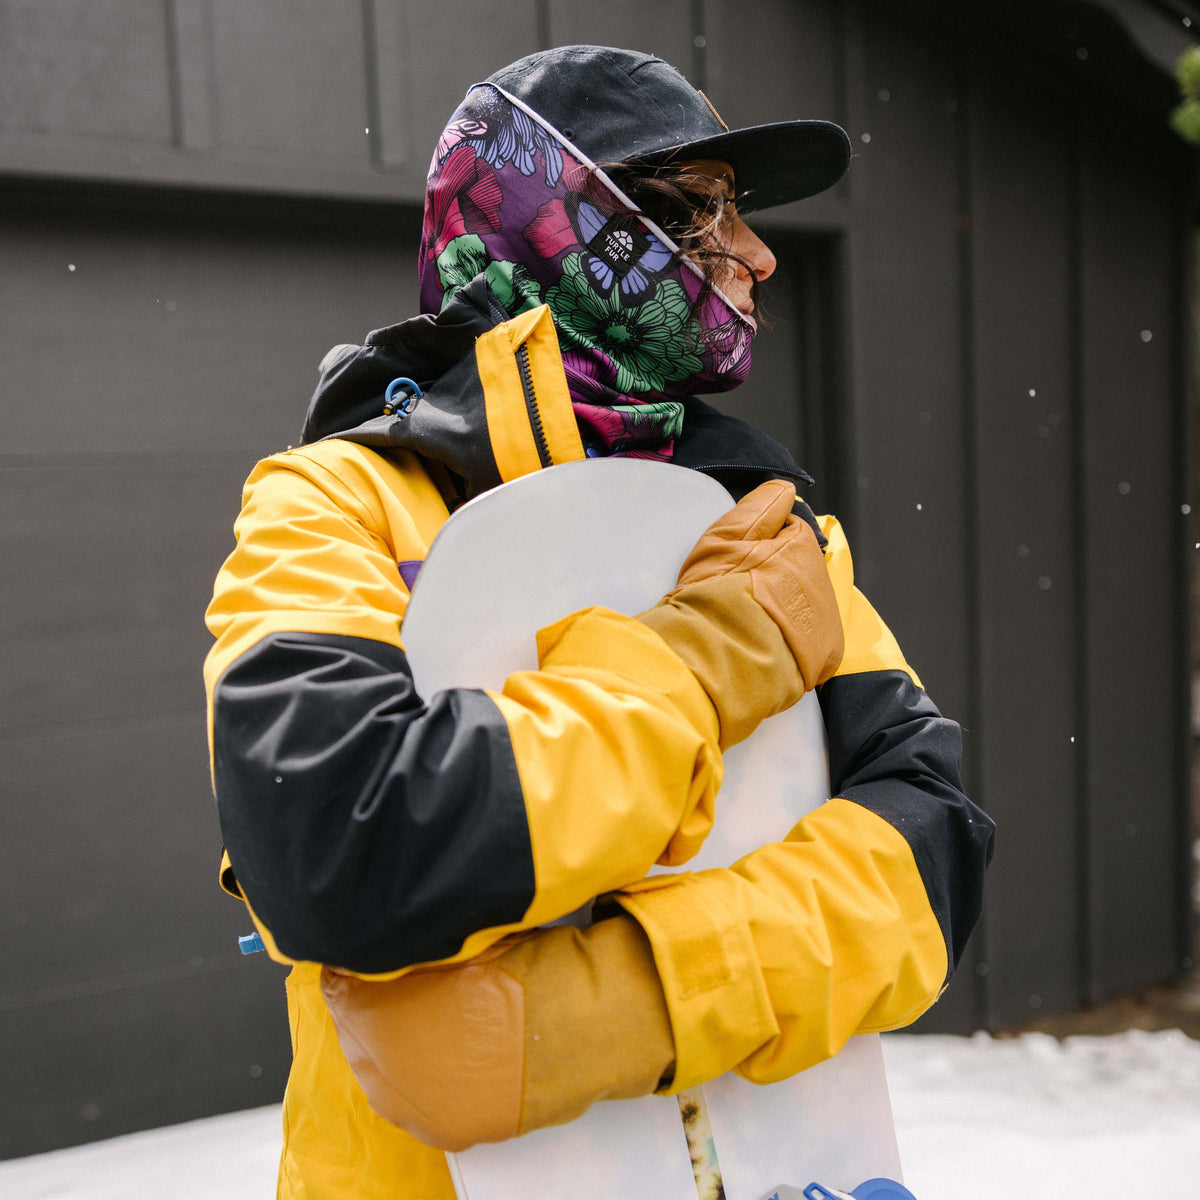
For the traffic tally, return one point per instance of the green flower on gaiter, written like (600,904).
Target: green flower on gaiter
(466,256)
(650,344)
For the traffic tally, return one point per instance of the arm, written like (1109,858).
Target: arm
(855,921)
(851,924)
(373,828)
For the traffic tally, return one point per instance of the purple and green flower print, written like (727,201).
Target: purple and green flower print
(619,250)
(651,343)
(465,257)
(514,137)
(508,198)
(467,200)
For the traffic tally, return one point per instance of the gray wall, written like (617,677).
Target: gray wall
(959,357)
(139,389)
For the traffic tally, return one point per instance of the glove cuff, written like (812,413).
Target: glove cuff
(596,1020)
(734,648)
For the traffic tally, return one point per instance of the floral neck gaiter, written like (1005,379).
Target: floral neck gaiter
(639,328)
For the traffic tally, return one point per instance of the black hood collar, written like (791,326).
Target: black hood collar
(354,379)
(448,425)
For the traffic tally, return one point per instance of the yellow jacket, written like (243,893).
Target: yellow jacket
(376,830)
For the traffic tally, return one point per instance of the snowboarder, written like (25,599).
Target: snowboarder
(585,272)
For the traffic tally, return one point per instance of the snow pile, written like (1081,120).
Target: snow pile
(1096,1117)
(232,1157)
(978,1119)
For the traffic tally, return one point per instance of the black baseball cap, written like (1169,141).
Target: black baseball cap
(622,106)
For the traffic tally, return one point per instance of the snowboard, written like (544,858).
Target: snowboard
(614,532)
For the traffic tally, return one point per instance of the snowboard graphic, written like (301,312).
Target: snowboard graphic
(614,532)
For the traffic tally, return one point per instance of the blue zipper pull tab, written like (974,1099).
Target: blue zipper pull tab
(251,943)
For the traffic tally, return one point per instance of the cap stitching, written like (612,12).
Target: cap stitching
(643,91)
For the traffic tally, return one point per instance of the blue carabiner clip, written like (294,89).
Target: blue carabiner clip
(412,393)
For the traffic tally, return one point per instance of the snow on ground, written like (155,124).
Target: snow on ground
(232,1157)
(1089,1118)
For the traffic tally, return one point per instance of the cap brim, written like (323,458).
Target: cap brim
(772,164)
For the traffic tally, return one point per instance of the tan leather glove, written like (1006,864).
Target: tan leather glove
(531,1033)
(754,615)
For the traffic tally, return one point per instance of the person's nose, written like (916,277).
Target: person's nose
(747,245)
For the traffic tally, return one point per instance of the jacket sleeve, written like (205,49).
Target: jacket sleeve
(371,828)
(855,921)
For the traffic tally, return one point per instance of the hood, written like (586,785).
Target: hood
(511,198)
(550,308)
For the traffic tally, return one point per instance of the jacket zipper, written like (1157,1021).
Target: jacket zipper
(531,406)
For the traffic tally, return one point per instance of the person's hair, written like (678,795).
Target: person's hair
(691,209)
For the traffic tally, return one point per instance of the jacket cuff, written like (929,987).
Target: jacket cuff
(718,1003)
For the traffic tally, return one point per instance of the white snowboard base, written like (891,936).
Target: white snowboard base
(831,1123)
(614,532)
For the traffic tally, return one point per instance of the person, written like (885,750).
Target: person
(585,274)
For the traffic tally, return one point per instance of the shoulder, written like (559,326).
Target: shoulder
(838,558)
(358,468)
(870,644)
(354,479)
